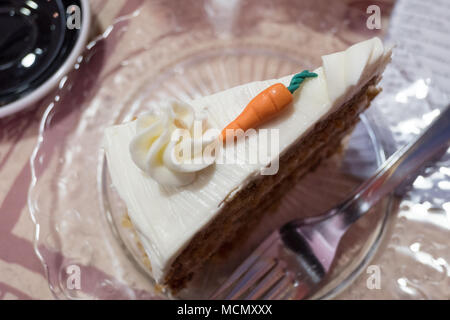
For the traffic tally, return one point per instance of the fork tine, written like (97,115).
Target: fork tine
(257,272)
(266,283)
(279,289)
(262,249)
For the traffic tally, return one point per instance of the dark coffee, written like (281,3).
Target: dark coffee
(34,43)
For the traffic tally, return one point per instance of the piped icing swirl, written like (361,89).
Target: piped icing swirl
(172,143)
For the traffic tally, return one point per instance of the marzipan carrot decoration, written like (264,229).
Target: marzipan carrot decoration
(266,105)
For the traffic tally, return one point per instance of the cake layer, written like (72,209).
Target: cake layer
(168,218)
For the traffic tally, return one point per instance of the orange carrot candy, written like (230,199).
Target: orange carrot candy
(266,105)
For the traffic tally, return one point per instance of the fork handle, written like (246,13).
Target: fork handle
(403,164)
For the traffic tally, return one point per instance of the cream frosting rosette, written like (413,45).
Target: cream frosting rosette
(173,142)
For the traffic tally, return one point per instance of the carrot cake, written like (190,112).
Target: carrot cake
(193,173)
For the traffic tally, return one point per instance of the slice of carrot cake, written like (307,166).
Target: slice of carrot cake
(192,173)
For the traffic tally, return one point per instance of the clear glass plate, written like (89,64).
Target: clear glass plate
(160,51)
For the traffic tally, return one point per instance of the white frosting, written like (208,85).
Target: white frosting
(166,218)
(346,69)
(170,143)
